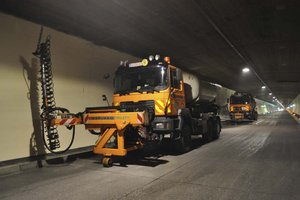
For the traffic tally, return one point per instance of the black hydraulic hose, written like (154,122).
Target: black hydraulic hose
(58,152)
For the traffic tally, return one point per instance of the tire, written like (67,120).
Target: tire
(184,143)
(208,136)
(107,162)
(217,128)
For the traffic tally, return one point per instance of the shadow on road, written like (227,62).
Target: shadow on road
(151,156)
(230,124)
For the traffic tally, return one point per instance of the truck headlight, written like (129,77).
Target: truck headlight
(162,125)
(151,58)
(231,108)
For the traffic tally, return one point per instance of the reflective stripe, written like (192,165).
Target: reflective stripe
(169,106)
(169,109)
(159,106)
(160,102)
(158,109)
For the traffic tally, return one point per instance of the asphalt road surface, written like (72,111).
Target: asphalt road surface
(259,160)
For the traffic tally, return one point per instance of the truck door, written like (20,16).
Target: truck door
(177,94)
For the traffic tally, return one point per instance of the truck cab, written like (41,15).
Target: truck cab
(158,87)
(153,85)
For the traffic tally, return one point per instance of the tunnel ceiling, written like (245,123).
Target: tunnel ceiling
(214,39)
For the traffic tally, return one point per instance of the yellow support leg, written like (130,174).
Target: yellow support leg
(100,146)
(119,151)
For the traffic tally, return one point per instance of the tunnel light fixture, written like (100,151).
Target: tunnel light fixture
(248,64)
(263,87)
(216,84)
(270,93)
(246,69)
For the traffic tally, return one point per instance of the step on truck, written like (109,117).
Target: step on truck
(151,103)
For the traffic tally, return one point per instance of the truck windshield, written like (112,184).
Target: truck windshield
(240,100)
(141,79)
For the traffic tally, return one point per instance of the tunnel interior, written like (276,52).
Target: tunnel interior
(219,119)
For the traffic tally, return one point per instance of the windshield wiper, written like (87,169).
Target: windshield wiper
(148,89)
(128,91)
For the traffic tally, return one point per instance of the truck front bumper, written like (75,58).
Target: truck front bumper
(240,116)
(167,127)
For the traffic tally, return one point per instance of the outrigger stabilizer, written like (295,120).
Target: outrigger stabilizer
(108,122)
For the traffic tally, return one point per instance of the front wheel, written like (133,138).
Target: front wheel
(183,144)
(107,162)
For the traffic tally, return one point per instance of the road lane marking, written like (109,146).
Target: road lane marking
(259,122)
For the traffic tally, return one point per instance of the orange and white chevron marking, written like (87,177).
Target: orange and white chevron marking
(66,121)
(140,118)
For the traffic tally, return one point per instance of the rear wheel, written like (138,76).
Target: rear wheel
(207,137)
(217,128)
(255,116)
(184,143)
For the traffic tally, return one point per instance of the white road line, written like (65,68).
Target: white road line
(259,122)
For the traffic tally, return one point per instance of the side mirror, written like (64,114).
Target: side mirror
(177,83)
(104,97)
(178,78)
(178,75)
(172,94)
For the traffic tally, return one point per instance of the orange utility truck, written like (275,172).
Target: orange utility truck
(151,103)
(155,86)
(242,106)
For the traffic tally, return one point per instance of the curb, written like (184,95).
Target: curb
(296,118)
(16,166)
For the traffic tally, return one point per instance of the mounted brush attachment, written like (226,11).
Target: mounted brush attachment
(49,111)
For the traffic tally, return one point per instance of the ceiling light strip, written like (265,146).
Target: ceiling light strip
(213,24)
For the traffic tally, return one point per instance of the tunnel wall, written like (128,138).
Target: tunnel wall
(264,107)
(296,107)
(78,68)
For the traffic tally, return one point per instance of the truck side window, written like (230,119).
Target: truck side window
(175,83)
